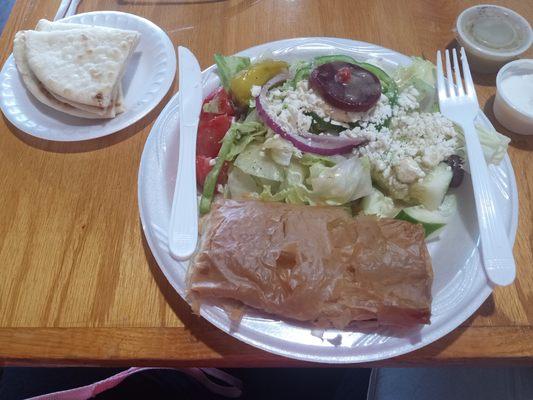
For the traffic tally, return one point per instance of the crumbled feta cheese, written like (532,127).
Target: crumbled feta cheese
(256,90)
(431,157)
(407,100)
(292,107)
(220,188)
(408,171)
(376,115)
(403,145)
(412,146)
(212,161)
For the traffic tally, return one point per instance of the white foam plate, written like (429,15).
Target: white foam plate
(147,78)
(460,285)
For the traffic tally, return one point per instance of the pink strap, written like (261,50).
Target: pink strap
(200,374)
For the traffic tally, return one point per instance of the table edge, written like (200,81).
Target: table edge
(177,347)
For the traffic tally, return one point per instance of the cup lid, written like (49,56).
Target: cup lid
(493,32)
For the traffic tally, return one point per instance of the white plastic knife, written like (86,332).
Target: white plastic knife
(183,229)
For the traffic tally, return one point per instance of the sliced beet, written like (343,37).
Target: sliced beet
(346,86)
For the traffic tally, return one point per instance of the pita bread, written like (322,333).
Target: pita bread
(110,112)
(119,102)
(35,87)
(80,65)
(113,96)
(47,26)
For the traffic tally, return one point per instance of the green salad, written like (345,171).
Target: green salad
(334,131)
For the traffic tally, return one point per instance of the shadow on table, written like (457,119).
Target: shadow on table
(92,144)
(429,354)
(488,79)
(522,142)
(180,307)
(198,327)
(487,308)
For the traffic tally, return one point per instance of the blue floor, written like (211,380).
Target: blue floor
(5,9)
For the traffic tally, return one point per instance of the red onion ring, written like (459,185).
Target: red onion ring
(324,145)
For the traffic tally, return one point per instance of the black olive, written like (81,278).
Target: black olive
(456,163)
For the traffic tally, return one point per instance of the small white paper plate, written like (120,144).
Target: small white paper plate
(148,77)
(459,287)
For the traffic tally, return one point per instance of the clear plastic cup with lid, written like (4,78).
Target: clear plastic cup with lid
(492,36)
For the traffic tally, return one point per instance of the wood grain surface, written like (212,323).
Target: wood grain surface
(78,283)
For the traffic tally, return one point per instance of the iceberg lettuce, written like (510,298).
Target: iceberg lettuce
(422,76)
(236,139)
(345,182)
(493,144)
(246,132)
(280,150)
(229,66)
(254,161)
(256,175)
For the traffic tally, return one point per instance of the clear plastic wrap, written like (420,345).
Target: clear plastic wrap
(316,264)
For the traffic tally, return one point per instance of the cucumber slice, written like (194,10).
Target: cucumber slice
(430,192)
(301,74)
(432,221)
(301,71)
(419,215)
(335,57)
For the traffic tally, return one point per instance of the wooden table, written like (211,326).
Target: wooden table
(78,284)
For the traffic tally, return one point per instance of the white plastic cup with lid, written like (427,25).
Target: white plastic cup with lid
(492,36)
(513,105)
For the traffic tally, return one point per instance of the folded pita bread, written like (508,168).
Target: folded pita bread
(81,77)
(35,87)
(80,65)
(109,112)
(47,26)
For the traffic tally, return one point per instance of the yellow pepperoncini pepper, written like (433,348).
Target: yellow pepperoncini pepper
(258,74)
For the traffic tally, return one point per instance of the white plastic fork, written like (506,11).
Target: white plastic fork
(66,9)
(459,103)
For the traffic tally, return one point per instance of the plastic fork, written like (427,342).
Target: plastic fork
(66,9)
(458,102)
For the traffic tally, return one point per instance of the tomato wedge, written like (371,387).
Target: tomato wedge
(217,103)
(210,134)
(215,120)
(203,167)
